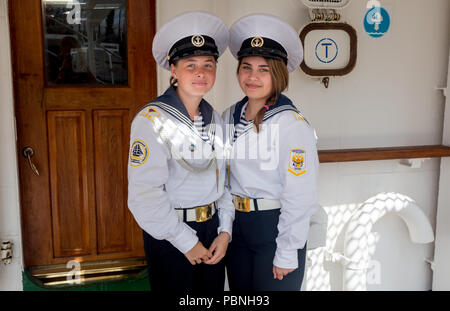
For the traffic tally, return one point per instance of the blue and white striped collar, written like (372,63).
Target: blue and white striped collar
(170,97)
(283,103)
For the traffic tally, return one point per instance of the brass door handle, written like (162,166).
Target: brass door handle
(28,152)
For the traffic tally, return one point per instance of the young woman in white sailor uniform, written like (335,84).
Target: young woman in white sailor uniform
(273,161)
(175,176)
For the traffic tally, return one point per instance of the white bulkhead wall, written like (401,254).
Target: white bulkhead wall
(388,100)
(442,253)
(10,275)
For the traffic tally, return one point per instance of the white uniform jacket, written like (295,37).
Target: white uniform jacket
(164,147)
(281,163)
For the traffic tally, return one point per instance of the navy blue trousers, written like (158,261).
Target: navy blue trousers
(170,271)
(250,255)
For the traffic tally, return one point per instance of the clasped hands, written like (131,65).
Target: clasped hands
(199,254)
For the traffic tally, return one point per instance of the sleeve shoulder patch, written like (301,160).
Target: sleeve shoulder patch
(297,162)
(150,113)
(138,153)
(298,116)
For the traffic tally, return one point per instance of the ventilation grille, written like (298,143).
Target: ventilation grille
(332,4)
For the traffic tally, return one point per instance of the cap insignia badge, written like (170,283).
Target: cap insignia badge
(257,42)
(198,41)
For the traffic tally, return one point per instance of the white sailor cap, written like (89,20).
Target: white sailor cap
(267,36)
(190,34)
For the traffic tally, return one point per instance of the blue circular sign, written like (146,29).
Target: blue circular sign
(377,22)
(326,50)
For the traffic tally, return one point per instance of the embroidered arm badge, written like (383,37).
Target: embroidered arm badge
(138,153)
(297,162)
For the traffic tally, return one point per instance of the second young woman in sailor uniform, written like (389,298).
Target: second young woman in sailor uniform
(273,162)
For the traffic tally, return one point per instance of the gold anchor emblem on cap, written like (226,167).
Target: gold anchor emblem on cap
(198,41)
(257,42)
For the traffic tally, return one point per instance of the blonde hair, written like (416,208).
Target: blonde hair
(280,82)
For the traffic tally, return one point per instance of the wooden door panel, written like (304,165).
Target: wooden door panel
(69,184)
(77,206)
(87,98)
(111,136)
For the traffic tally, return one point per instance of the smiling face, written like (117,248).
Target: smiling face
(196,75)
(255,78)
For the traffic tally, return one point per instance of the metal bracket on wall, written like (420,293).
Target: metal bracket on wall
(443,89)
(325,81)
(413,163)
(6,251)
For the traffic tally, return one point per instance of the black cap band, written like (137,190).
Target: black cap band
(264,47)
(197,45)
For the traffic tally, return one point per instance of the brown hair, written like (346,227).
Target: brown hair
(280,82)
(173,81)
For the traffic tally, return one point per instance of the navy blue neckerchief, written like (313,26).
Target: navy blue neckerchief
(283,103)
(170,97)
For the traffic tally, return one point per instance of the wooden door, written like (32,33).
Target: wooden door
(77,123)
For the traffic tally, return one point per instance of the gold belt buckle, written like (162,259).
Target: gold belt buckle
(242,204)
(203,213)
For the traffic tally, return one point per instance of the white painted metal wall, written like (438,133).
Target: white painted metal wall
(10,275)
(388,100)
(441,278)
